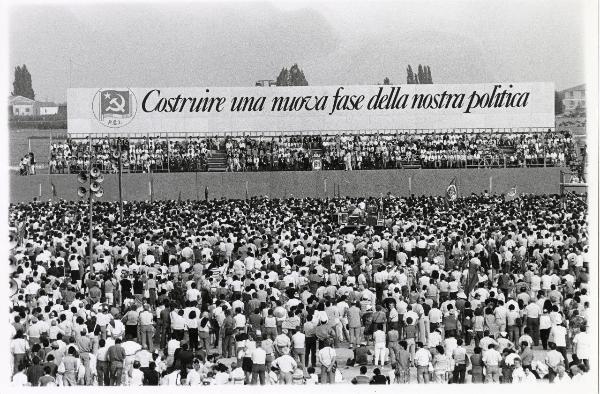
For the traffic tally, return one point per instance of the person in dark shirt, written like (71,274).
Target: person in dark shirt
(138,288)
(126,288)
(183,357)
(151,376)
(51,364)
(35,371)
(361,354)
(116,356)
(378,378)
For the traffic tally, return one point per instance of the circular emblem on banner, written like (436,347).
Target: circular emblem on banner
(114,107)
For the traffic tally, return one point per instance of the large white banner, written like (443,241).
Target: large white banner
(310,108)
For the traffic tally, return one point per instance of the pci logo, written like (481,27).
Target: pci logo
(114,107)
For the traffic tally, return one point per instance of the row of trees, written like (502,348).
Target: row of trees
(423,75)
(22,83)
(295,76)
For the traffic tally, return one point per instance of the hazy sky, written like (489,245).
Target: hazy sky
(235,44)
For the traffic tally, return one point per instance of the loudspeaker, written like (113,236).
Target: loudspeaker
(95,186)
(82,177)
(82,191)
(95,173)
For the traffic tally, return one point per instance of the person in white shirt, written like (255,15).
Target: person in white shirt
(434,339)
(19,347)
(287,365)
(258,365)
(520,375)
(327,357)
(492,358)
(136,376)
(193,294)
(237,375)
(561,375)
(553,360)
(583,345)
(422,360)
(533,313)
(379,339)
(19,379)
(558,334)
(298,347)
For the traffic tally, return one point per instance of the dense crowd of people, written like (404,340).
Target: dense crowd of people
(143,155)
(268,291)
(340,152)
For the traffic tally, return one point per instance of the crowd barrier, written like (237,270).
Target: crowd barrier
(161,186)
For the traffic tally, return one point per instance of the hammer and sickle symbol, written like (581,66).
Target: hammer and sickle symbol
(115,105)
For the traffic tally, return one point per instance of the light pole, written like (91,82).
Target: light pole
(122,145)
(90,181)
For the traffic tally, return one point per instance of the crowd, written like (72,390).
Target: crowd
(143,155)
(341,152)
(268,291)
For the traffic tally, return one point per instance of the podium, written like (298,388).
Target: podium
(317,164)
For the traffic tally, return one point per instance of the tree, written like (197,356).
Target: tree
(283,79)
(297,77)
(420,75)
(22,83)
(558,104)
(429,79)
(292,77)
(410,76)
(386,81)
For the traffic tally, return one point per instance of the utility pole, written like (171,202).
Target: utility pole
(120,183)
(91,213)
(92,178)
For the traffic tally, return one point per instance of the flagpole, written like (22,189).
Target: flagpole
(52,189)
(151,187)
(196,184)
(119,143)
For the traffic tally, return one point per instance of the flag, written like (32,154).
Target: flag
(53,188)
(451,191)
(512,194)
(115,103)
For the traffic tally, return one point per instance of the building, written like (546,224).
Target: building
(573,99)
(48,108)
(265,83)
(23,106)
